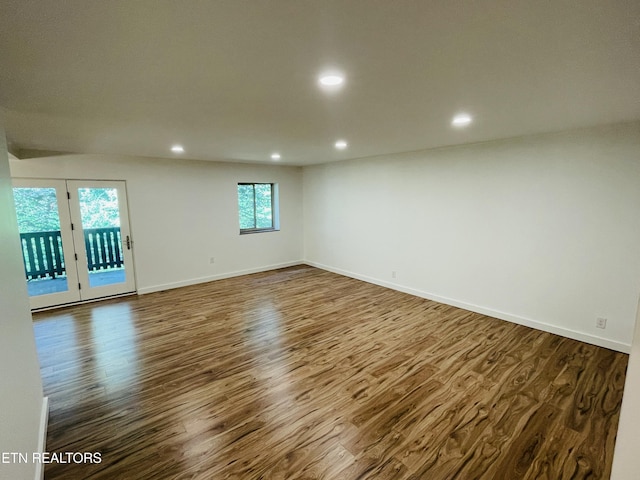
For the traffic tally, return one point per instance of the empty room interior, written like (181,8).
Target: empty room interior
(338,239)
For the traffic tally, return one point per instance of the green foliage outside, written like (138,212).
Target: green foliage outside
(99,207)
(37,208)
(255,205)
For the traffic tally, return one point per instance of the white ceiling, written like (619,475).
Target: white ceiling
(237,79)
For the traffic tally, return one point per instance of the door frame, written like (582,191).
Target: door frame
(74,251)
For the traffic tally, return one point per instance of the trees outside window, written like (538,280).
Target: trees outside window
(257,207)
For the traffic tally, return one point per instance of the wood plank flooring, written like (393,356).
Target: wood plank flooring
(303,374)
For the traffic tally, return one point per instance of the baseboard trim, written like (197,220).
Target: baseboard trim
(527,322)
(42,436)
(221,276)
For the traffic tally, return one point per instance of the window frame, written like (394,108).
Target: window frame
(274,209)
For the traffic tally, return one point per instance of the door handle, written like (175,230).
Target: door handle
(128,242)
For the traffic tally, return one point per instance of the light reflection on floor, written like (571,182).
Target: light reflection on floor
(56,341)
(265,331)
(115,350)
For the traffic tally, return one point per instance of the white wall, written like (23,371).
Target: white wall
(543,230)
(21,401)
(184,212)
(626,461)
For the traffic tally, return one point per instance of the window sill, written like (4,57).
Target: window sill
(258,230)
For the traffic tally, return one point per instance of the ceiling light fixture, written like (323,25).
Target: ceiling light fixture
(341,144)
(177,149)
(461,120)
(331,81)
(275,156)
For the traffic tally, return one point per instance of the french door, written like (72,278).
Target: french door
(75,238)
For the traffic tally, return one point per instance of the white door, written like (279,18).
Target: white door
(76,241)
(102,238)
(47,244)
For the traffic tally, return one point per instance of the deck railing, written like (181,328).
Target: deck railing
(42,254)
(43,257)
(104,248)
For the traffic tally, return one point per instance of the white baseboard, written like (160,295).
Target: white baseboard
(195,281)
(527,322)
(42,436)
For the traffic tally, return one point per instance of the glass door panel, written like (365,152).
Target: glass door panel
(100,218)
(46,241)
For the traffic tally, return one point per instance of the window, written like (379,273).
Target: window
(257,207)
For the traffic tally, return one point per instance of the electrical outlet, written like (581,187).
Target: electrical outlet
(393,274)
(601,322)
(212,260)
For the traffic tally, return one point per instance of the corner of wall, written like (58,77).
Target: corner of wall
(42,437)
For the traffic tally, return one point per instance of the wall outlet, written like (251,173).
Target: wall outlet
(601,322)
(212,260)
(393,274)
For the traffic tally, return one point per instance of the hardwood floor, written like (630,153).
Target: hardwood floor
(304,374)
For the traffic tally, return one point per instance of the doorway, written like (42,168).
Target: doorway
(75,238)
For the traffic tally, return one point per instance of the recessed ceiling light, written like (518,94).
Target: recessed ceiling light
(341,144)
(275,156)
(177,149)
(461,120)
(331,80)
